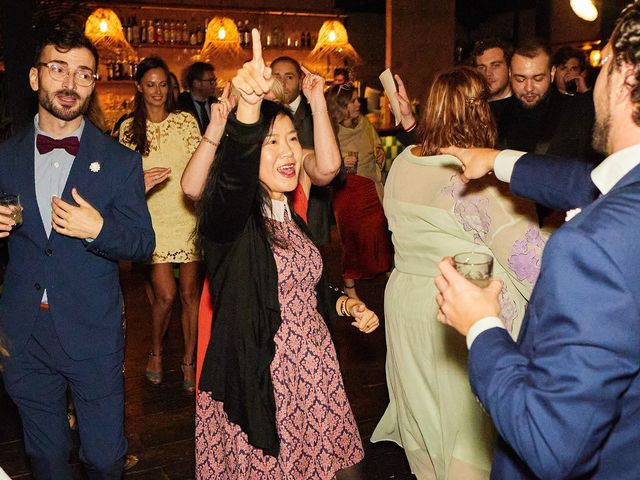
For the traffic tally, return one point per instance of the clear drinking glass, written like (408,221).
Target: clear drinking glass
(475,267)
(12,201)
(354,168)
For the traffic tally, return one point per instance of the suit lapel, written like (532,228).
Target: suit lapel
(82,161)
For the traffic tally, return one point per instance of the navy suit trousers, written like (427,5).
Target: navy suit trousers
(37,379)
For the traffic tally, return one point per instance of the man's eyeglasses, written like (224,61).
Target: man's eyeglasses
(210,81)
(59,72)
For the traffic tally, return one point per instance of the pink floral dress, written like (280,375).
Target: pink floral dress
(317,430)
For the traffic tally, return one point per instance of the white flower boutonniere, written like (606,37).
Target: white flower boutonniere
(94,167)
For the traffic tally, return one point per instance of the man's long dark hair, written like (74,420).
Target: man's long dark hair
(136,133)
(269,111)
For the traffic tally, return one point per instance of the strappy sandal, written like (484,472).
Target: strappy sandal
(154,377)
(189,386)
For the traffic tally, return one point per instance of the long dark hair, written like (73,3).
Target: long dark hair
(261,202)
(136,133)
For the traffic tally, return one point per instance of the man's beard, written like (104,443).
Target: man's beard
(46,101)
(531,106)
(600,138)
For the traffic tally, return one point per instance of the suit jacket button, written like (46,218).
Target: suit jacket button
(37,286)
(48,252)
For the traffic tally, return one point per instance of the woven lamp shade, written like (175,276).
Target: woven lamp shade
(334,41)
(222,39)
(104,29)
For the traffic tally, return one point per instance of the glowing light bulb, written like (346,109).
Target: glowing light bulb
(222,33)
(585,9)
(594,58)
(332,36)
(104,26)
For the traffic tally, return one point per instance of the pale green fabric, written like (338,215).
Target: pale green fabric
(432,412)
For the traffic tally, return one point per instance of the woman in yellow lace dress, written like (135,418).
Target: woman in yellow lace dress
(166,139)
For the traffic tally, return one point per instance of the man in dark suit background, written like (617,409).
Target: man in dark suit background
(537,118)
(84,209)
(287,70)
(201,86)
(566,397)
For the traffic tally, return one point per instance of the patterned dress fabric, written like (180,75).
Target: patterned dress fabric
(172,142)
(432,412)
(317,430)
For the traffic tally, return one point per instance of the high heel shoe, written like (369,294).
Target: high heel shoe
(189,385)
(152,376)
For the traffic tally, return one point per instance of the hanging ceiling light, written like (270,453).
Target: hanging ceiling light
(104,29)
(585,9)
(222,38)
(333,40)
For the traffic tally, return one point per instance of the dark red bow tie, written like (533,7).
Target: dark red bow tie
(46,144)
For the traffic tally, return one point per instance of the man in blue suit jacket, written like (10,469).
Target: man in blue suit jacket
(566,397)
(84,209)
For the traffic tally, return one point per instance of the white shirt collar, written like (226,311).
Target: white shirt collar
(614,167)
(278,207)
(293,106)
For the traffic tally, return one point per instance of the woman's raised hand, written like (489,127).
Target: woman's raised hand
(254,79)
(312,85)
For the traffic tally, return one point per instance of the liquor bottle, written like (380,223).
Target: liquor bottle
(247,33)
(151,32)
(199,35)
(241,34)
(143,31)
(275,36)
(185,33)
(136,31)
(167,32)
(128,29)
(303,40)
(159,38)
(110,71)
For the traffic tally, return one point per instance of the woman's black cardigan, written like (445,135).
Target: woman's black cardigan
(243,282)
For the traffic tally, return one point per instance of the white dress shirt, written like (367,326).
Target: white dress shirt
(604,176)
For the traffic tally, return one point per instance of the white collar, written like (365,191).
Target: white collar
(276,212)
(293,106)
(614,167)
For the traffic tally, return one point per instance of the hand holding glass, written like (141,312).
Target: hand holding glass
(475,267)
(354,157)
(12,201)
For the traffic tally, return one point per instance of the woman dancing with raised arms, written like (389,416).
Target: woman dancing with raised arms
(272,402)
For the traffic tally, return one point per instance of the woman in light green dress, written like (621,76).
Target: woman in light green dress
(432,412)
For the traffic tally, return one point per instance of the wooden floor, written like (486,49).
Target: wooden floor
(160,419)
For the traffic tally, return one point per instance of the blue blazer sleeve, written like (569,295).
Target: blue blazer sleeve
(555,182)
(127,232)
(556,405)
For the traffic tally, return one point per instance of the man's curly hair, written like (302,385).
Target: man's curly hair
(625,42)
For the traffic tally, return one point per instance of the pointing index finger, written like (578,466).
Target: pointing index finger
(257,45)
(305,70)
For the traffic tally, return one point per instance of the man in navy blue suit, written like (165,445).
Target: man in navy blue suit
(84,209)
(566,397)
